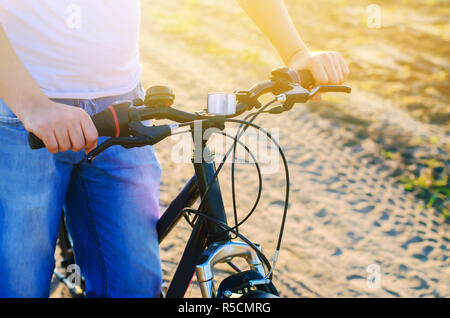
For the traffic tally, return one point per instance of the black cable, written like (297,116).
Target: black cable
(233,192)
(229,151)
(243,238)
(258,197)
(237,138)
(286,168)
(189,210)
(286,203)
(234,267)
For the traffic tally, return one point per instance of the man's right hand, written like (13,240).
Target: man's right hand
(61,127)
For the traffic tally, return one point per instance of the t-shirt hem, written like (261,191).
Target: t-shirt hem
(92,95)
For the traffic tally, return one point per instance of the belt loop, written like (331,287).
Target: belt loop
(88,105)
(91,106)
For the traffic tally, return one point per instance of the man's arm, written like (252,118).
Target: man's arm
(272,18)
(59,126)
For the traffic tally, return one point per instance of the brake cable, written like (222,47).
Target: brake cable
(233,192)
(275,257)
(246,123)
(262,110)
(219,168)
(242,237)
(258,197)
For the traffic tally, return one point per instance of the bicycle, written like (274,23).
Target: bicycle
(211,240)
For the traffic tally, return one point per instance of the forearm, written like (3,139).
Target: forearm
(272,18)
(17,87)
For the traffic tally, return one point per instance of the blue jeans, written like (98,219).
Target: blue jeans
(111,206)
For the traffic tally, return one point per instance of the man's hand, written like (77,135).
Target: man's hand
(61,127)
(327,68)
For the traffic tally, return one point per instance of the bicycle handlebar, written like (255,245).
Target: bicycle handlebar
(114,120)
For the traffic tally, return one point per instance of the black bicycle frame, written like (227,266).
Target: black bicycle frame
(205,231)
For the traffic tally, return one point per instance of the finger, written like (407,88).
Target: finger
(337,64)
(63,139)
(344,67)
(50,142)
(331,70)
(76,137)
(90,133)
(319,73)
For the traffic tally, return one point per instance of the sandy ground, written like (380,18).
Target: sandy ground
(349,216)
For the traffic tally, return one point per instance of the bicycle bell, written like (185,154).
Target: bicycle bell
(222,104)
(159,96)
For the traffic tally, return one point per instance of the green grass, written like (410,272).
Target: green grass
(435,191)
(430,181)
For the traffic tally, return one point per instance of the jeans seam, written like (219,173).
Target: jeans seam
(96,237)
(9,120)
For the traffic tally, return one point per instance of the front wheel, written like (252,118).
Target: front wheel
(239,284)
(259,294)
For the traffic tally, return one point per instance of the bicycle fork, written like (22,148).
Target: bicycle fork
(220,253)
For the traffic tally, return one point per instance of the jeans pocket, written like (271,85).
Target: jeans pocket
(6,115)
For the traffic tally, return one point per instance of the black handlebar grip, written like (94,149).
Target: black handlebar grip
(306,79)
(113,121)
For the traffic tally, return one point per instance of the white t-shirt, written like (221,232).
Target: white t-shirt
(76,48)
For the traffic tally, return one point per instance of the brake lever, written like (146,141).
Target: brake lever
(330,89)
(126,142)
(142,136)
(299,94)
